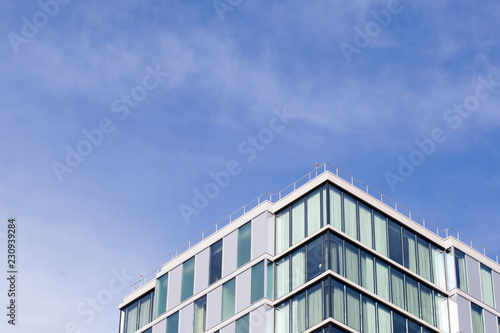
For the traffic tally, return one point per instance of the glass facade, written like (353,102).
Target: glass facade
(244,243)
(161,295)
(215,272)
(138,314)
(258,286)
(461,271)
(200,315)
(187,279)
(228,299)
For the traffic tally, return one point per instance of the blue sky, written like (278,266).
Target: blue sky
(416,75)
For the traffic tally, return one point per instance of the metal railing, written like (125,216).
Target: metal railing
(326,167)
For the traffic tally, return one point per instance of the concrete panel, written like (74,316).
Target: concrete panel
(474,278)
(214,307)
(496,285)
(186,317)
(229,253)
(201,269)
(464,315)
(490,322)
(174,287)
(260,235)
(161,327)
(243,290)
(229,328)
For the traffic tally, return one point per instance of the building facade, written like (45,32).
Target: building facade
(327,254)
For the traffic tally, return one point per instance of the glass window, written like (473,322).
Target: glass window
(215,262)
(427,304)
(145,310)
(314,259)
(398,322)
(257,282)
(442,312)
(350,218)
(461,270)
(365,225)
(353,311)
(398,288)
(380,224)
(410,250)
(173,323)
(244,243)
(487,286)
(412,297)
(451,282)
(384,319)
(413,327)
(161,295)
(314,305)
(367,271)
(269,281)
(228,298)
(383,280)
(243,324)
(283,318)
(335,208)
(351,263)
(336,254)
(282,277)
(282,231)
(299,313)
(326,299)
(298,225)
(477,319)
(395,242)
(438,267)
(313,202)
(369,316)
(200,314)
(338,301)
(132,317)
(424,263)
(187,279)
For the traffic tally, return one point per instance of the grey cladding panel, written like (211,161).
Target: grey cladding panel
(186,319)
(174,287)
(243,290)
(214,306)
(260,235)
(496,285)
(473,278)
(202,263)
(490,322)
(229,253)
(229,328)
(161,327)
(464,315)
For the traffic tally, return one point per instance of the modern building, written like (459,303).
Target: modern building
(327,254)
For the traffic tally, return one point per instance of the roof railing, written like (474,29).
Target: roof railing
(326,167)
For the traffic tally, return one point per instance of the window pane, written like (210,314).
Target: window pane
(395,242)
(398,288)
(413,327)
(313,202)
(298,268)
(187,279)
(399,322)
(336,254)
(335,208)
(350,219)
(269,280)
(161,295)
(145,310)
(442,312)
(299,313)
(314,303)
(338,300)
(123,314)
(283,318)
(451,281)
(326,299)
(200,314)
(487,284)
(243,324)
(427,304)
(438,267)
(244,243)
(215,262)
(282,231)
(380,224)
(369,317)
(367,271)
(352,263)
(477,319)
(424,264)
(298,225)
(384,319)
(412,296)
(461,270)
(365,225)
(314,259)
(382,280)
(410,250)
(353,312)
(173,323)
(132,317)
(228,298)
(282,277)
(257,282)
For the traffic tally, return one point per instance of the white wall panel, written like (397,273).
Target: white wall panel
(473,278)
(229,253)
(202,263)
(214,307)
(174,287)
(186,316)
(243,290)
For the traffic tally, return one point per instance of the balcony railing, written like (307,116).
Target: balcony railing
(327,167)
